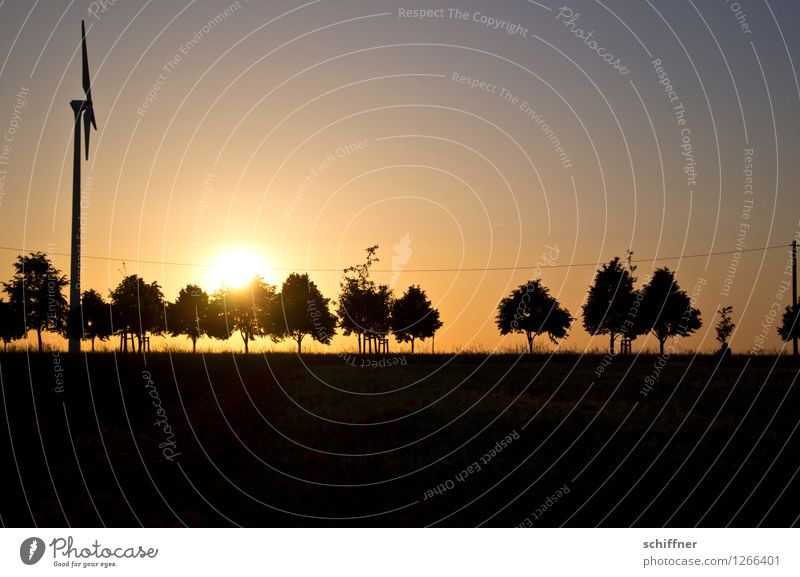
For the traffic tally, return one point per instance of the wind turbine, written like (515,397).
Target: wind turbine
(84,109)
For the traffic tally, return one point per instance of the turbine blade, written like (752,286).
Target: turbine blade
(87,117)
(87,86)
(90,110)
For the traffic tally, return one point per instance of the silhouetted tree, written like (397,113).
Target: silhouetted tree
(251,310)
(530,309)
(37,289)
(379,311)
(724,327)
(188,314)
(609,308)
(413,317)
(790,327)
(216,321)
(304,311)
(12,323)
(364,308)
(137,309)
(95,317)
(666,310)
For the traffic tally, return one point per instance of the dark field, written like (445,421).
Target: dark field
(464,441)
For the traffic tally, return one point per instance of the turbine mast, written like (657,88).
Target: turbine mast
(83,111)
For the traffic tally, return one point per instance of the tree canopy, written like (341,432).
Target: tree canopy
(725,326)
(95,317)
(138,309)
(413,317)
(250,310)
(530,309)
(188,315)
(37,289)
(790,325)
(12,323)
(304,311)
(609,308)
(364,308)
(666,310)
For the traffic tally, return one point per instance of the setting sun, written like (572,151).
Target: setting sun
(235,268)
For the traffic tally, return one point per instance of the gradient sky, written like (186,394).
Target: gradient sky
(309,131)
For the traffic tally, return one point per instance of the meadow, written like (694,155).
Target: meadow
(413,440)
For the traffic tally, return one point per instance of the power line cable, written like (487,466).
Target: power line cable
(421,270)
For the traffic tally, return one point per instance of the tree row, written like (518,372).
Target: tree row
(614,307)
(136,309)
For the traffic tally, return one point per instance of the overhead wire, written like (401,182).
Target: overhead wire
(418,270)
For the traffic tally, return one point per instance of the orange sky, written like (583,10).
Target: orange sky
(307,132)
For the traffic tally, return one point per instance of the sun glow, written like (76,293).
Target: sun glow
(235,268)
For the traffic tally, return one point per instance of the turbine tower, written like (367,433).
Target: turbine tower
(82,109)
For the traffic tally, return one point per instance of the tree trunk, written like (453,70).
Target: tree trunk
(92,344)
(39,337)
(245,338)
(359,343)
(412,345)
(194,345)
(299,339)
(611,346)
(530,343)
(661,345)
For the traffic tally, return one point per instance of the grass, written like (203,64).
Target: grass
(274,439)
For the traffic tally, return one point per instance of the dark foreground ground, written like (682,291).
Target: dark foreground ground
(497,441)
